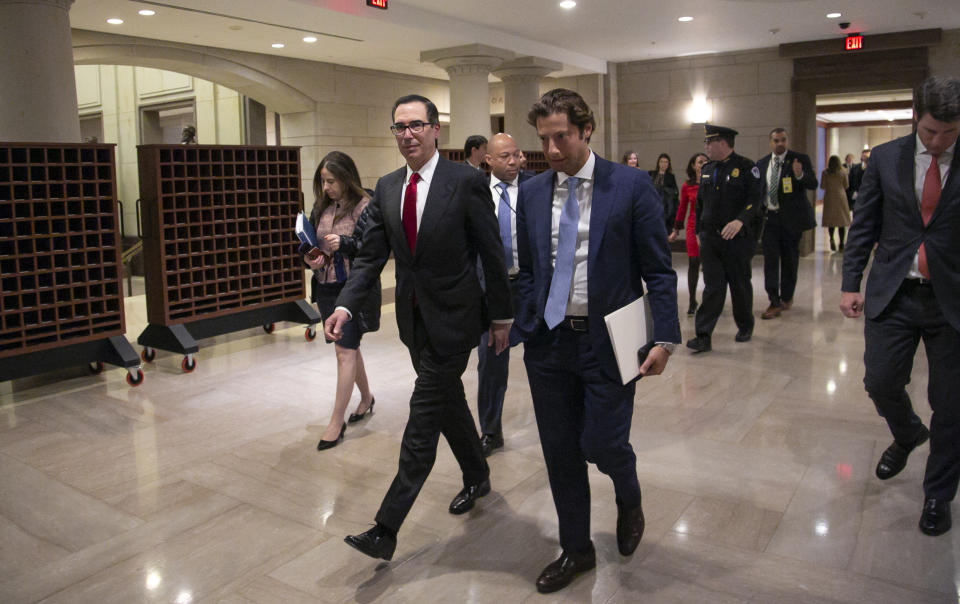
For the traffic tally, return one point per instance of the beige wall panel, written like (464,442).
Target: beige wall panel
(774,76)
(945,58)
(88,87)
(724,80)
(644,87)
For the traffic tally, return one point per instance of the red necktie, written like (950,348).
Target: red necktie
(409,217)
(928,203)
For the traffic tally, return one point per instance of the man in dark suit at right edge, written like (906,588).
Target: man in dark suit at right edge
(909,206)
(436,217)
(786,176)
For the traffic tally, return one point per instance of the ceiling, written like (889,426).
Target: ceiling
(584,39)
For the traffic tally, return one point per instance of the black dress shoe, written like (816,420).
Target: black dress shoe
(465,499)
(329,444)
(355,417)
(743,335)
(692,310)
(894,459)
(699,344)
(562,571)
(378,542)
(489,442)
(935,519)
(630,525)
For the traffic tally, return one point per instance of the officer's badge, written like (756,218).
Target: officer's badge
(755,172)
(735,173)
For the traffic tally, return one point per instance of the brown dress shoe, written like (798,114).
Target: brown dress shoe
(562,571)
(771,312)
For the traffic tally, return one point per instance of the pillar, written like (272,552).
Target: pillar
(38,92)
(469,68)
(521,89)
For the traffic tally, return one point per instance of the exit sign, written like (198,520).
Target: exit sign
(377,4)
(854,43)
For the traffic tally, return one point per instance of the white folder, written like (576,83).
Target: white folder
(630,328)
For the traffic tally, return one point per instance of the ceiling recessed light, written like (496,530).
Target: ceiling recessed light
(115,21)
(567,4)
(277,45)
(834,15)
(147,12)
(685,19)
(310,39)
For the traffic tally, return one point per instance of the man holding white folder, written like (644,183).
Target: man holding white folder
(590,235)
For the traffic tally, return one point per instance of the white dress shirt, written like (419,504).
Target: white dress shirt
(512,191)
(577,303)
(921,163)
(423,187)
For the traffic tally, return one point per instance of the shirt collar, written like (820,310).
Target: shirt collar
(426,170)
(494,181)
(922,149)
(782,157)
(584,173)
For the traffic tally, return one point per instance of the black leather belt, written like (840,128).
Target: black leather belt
(577,324)
(917,282)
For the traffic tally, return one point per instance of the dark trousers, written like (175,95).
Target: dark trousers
(437,406)
(582,416)
(726,262)
(781,257)
(891,343)
(492,372)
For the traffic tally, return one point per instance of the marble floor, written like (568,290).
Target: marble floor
(756,462)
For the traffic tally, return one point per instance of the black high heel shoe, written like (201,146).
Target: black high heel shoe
(355,417)
(329,444)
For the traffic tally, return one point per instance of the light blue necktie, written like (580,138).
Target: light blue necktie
(556,306)
(503,216)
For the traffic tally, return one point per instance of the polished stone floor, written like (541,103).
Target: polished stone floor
(756,462)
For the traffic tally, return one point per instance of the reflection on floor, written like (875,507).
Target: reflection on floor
(756,462)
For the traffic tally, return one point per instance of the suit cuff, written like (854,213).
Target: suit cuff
(502,321)
(346,310)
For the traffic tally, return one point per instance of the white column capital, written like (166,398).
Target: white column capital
(526,69)
(467,59)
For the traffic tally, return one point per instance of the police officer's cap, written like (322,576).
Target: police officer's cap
(713,132)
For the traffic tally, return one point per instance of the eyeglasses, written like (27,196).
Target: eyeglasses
(415,127)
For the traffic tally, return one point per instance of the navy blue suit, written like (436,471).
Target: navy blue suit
(583,411)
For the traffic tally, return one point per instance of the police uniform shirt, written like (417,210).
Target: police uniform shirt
(729,190)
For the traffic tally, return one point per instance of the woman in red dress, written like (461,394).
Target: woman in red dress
(688,198)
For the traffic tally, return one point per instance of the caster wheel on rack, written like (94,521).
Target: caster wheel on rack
(188,364)
(135,381)
(148,354)
(310,334)
(96,368)
(268,328)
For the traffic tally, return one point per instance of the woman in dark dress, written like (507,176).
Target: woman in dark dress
(666,184)
(338,215)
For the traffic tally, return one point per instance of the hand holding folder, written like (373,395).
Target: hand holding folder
(631,333)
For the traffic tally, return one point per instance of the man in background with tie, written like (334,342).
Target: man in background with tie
(909,206)
(503,157)
(786,176)
(590,236)
(436,217)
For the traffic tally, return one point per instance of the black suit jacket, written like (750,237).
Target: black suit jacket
(795,209)
(888,214)
(457,225)
(853,181)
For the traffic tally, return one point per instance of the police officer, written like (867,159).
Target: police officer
(727,204)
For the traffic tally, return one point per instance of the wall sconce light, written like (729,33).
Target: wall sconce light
(700,110)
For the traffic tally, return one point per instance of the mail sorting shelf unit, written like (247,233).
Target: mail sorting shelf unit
(220,250)
(62,300)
